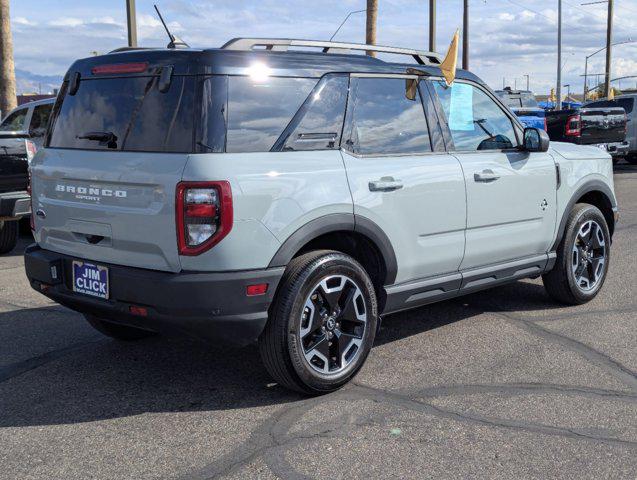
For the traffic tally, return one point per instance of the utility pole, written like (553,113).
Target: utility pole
(372,16)
(131,19)
(465,36)
(432,25)
(609,46)
(528,83)
(8,100)
(558,103)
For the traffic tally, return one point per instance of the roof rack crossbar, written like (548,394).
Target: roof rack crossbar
(282,44)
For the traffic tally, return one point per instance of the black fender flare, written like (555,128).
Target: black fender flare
(336,222)
(590,186)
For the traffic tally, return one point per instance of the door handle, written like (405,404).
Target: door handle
(385,184)
(485,176)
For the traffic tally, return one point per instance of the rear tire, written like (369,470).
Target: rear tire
(583,257)
(322,323)
(117,331)
(8,235)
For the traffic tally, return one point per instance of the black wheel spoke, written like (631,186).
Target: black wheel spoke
(348,307)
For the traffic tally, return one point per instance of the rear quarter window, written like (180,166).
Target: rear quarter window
(140,117)
(260,110)
(15,121)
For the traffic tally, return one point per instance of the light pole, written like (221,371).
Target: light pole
(131,20)
(630,40)
(344,21)
(609,39)
(568,91)
(558,104)
(528,83)
(465,36)
(432,25)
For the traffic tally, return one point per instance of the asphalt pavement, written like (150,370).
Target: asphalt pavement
(501,384)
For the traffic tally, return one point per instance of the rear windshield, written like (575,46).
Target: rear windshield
(522,100)
(625,103)
(125,114)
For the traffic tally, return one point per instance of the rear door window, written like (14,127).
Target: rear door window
(40,120)
(383,121)
(15,121)
(259,110)
(128,113)
(319,122)
(475,120)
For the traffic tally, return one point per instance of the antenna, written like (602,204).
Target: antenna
(175,41)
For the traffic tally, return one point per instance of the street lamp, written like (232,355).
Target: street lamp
(595,53)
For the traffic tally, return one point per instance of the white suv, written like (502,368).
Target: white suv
(262,192)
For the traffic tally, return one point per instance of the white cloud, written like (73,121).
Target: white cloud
(66,22)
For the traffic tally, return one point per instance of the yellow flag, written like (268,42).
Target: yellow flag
(552,97)
(611,94)
(449,64)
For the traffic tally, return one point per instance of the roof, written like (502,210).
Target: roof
(289,63)
(25,100)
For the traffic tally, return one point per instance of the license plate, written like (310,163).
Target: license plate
(90,279)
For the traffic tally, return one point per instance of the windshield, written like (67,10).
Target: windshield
(125,114)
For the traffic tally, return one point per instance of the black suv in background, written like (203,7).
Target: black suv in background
(21,134)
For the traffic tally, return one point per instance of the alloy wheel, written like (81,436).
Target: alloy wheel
(333,324)
(589,256)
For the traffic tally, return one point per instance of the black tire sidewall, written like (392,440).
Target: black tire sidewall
(580,217)
(330,264)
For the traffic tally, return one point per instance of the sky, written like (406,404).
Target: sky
(509,38)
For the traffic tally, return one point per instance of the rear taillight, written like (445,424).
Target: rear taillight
(574,126)
(31,149)
(204,215)
(546,125)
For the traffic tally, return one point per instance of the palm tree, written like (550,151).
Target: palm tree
(372,15)
(7,68)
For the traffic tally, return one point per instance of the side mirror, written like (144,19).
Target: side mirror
(536,140)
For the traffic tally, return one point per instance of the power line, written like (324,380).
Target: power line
(525,7)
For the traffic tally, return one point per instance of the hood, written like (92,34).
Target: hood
(571,151)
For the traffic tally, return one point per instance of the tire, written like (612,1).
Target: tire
(117,331)
(563,282)
(8,236)
(298,334)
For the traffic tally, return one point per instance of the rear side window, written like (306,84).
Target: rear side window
(39,120)
(383,121)
(475,120)
(15,121)
(259,110)
(126,114)
(626,103)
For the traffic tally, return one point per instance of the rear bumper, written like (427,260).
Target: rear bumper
(14,205)
(210,305)
(616,149)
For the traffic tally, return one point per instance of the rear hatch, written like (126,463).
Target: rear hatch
(120,134)
(602,125)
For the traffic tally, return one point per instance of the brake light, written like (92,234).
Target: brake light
(574,126)
(31,149)
(204,215)
(137,67)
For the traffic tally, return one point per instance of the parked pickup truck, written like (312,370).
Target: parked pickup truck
(525,107)
(604,127)
(627,102)
(21,134)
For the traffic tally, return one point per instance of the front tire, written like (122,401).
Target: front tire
(583,257)
(117,331)
(322,323)
(8,235)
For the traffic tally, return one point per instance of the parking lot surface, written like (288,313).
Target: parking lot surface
(501,384)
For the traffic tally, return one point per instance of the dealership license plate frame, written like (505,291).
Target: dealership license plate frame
(103,274)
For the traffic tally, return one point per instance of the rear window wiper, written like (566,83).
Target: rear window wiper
(105,138)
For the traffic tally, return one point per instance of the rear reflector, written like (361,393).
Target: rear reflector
(138,67)
(138,311)
(258,289)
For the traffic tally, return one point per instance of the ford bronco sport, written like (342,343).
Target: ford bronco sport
(263,191)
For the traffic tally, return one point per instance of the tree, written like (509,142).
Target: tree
(8,98)
(372,16)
